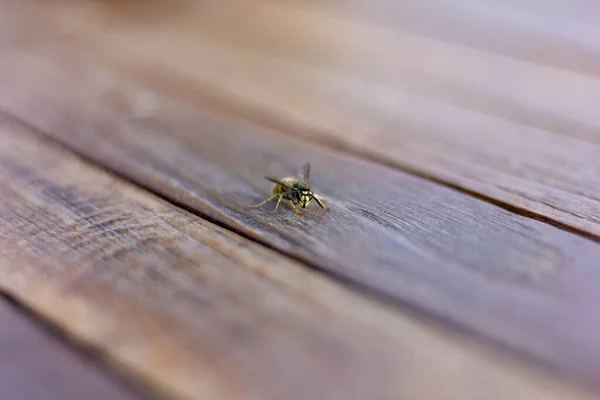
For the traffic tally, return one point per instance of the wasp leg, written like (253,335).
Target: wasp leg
(295,209)
(277,206)
(264,202)
(319,201)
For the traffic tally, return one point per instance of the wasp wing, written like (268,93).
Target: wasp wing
(278,182)
(306,174)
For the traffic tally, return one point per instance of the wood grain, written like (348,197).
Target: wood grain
(561,34)
(241,47)
(34,365)
(202,313)
(472,119)
(515,281)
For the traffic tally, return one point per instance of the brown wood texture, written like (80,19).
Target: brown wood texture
(418,96)
(34,365)
(202,313)
(515,281)
(561,34)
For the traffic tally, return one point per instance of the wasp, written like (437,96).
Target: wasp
(295,190)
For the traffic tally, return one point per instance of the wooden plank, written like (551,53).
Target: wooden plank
(314,45)
(477,150)
(335,57)
(560,34)
(36,366)
(202,313)
(474,79)
(516,281)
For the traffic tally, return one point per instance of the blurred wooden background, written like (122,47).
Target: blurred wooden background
(458,143)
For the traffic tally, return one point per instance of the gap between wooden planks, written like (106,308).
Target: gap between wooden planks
(200,313)
(514,281)
(34,365)
(502,128)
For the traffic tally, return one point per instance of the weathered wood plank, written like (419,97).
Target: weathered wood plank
(238,43)
(516,281)
(475,79)
(36,366)
(205,314)
(347,56)
(560,34)
(478,150)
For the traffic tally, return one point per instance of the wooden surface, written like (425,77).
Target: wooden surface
(200,312)
(35,365)
(458,145)
(520,282)
(374,90)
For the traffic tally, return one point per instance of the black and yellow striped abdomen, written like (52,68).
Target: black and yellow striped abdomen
(290,182)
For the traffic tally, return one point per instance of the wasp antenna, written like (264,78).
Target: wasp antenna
(320,203)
